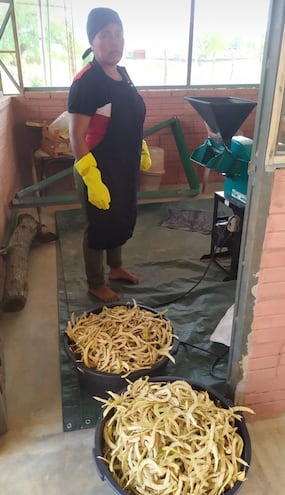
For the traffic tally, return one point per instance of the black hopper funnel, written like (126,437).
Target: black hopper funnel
(223,115)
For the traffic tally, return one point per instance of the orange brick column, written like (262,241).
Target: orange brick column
(264,384)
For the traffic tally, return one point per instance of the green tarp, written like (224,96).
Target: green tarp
(168,264)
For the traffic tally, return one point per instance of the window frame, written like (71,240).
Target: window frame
(10,15)
(187,86)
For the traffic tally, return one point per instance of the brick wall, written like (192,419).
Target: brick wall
(37,107)
(8,160)
(264,387)
(8,167)
(160,104)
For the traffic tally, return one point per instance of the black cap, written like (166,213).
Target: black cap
(97,19)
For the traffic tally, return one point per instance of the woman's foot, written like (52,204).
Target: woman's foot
(104,293)
(121,274)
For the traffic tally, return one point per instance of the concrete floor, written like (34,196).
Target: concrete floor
(36,457)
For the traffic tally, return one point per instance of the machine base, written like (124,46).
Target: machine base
(231,241)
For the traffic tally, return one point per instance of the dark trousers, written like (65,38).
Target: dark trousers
(94,258)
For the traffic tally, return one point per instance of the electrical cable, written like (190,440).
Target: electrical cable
(217,357)
(215,361)
(211,259)
(173,300)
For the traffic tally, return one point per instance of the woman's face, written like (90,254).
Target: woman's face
(108,45)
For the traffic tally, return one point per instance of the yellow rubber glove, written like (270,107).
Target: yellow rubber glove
(145,158)
(98,193)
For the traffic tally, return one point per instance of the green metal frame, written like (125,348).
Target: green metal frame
(25,198)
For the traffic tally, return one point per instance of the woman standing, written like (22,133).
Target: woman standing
(106,133)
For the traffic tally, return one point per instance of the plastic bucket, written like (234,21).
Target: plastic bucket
(102,466)
(157,159)
(98,383)
(151,180)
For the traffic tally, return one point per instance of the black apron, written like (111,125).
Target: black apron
(118,158)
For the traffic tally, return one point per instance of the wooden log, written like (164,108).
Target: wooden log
(15,289)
